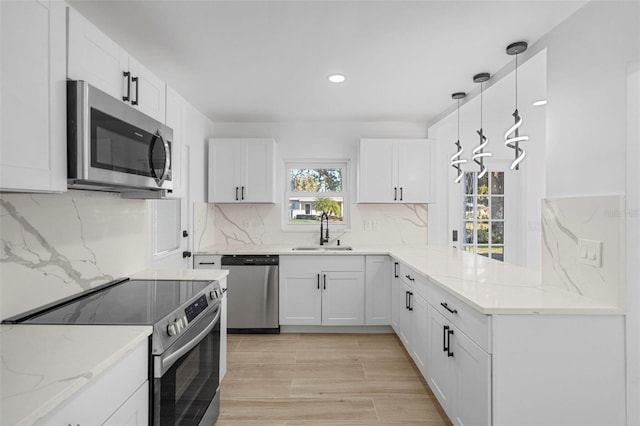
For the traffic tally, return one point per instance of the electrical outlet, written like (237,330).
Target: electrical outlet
(589,252)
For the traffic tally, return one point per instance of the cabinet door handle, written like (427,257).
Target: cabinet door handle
(242,192)
(444,338)
(324,281)
(410,305)
(400,193)
(444,305)
(395,270)
(236,193)
(318,281)
(136,81)
(127,75)
(395,193)
(206,263)
(406,300)
(449,351)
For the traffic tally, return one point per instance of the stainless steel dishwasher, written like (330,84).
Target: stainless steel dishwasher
(252,293)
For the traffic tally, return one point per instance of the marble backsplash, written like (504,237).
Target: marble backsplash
(56,245)
(244,225)
(564,222)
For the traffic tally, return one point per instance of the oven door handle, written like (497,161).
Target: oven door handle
(172,358)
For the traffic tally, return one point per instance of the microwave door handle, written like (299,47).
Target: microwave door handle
(167,161)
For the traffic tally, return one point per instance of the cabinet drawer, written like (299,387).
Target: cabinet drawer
(102,397)
(316,263)
(207,261)
(414,280)
(471,322)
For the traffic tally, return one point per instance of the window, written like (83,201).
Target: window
(313,188)
(165,222)
(484,214)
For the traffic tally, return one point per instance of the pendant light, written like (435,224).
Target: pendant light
(512,137)
(456,161)
(478,152)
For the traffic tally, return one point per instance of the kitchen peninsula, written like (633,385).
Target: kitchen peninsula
(495,343)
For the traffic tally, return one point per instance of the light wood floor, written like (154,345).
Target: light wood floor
(324,379)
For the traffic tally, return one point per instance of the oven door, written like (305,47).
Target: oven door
(187,376)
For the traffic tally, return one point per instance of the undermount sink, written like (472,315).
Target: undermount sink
(323,248)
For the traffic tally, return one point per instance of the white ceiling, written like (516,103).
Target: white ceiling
(246,61)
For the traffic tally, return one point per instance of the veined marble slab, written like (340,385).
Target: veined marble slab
(44,365)
(251,225)
(56,245)
(564,222)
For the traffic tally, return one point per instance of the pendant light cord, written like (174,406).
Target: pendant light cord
(516,81)
(458,120)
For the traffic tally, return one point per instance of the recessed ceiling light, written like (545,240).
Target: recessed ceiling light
(336,78)
(540,102)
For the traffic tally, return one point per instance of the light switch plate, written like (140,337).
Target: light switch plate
(589,252)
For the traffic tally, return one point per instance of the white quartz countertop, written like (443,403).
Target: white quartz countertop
(489,286)
(181,274)
(44,365)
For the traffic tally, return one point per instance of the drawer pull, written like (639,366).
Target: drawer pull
(444,338)
(409,277)
(444,305)
(449,333)
(206,263)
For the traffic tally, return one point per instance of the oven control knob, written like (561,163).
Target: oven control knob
(172,330)
(185,322)
(179,324)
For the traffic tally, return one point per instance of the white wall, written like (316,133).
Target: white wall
(589,58)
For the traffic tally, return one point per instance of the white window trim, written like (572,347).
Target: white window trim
(475,195)
(345,194)
(155,255)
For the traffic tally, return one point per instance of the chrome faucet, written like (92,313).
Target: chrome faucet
(324,239)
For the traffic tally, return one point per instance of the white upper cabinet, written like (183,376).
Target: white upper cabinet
(175,118)
(98,60)
(394,171)
(241,170)
(33,97)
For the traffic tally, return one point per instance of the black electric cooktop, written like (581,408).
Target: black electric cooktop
(130,302)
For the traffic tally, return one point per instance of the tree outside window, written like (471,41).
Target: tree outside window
(313,189)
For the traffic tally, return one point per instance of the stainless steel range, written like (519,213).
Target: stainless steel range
(185,343)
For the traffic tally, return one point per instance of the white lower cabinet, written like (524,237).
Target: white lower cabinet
(459,373)
(420,331)
(378,290)
(322,290)
(119,396)
(397,305)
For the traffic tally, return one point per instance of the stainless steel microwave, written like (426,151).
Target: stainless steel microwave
(112,146)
